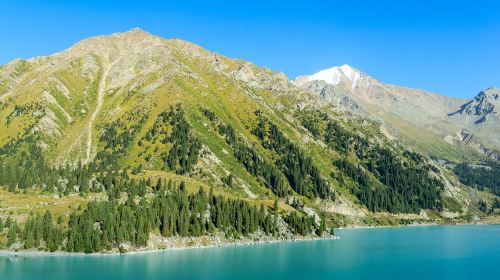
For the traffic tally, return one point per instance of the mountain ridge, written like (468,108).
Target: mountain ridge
(114,118)
(383,102)
(483,105)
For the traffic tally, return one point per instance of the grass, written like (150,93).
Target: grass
(452,204)
(430,144)
(22,204)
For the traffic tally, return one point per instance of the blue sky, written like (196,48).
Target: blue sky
(450,47)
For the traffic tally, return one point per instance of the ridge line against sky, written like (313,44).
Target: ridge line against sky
(450,47)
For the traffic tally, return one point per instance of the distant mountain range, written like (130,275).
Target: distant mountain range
(407,112)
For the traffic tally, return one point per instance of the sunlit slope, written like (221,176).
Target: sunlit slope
(168,108)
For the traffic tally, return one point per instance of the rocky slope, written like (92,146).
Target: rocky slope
(480,118)
(483,108)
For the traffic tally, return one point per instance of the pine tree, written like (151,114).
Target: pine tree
(275,218)
(12,234)
(322,226)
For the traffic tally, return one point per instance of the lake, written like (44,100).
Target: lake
(426,252)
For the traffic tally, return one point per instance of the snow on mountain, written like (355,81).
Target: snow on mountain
(333,76)
(349,89)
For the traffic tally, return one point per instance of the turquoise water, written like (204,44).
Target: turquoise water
(444,252)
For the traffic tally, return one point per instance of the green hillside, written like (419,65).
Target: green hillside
(161,137)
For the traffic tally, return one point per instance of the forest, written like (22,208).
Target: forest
(291,170)
(302,174)
(171,211)
(484,176)
(173,131)
(116,138)
(136,207)
(386,180)
(262,169)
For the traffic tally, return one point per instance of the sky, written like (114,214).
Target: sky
(449,47)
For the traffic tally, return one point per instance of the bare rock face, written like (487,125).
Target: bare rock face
(264,80)
(468,138)
(479,122)
(483,108)
(339,99)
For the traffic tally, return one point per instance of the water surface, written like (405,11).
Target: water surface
(445,252)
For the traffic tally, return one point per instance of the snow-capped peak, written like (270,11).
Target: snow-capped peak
(334,75)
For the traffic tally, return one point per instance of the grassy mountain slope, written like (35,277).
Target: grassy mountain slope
(136,104)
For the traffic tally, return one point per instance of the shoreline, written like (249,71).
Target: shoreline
(420,225)
(137,251)
(394,226)
(227,243)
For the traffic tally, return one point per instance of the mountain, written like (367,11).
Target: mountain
(131,127)
(412,105)
(420,118)
(344,74)
(483,108)
(479,122)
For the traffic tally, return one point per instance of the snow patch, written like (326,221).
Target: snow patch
(334,75)
(351,74)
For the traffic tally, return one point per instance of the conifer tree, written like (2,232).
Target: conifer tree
(12,234)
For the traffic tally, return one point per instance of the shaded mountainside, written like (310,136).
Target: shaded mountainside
(129,133)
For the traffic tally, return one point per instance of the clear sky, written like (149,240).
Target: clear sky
(450,47)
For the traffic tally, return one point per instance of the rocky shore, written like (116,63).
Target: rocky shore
(158,243)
